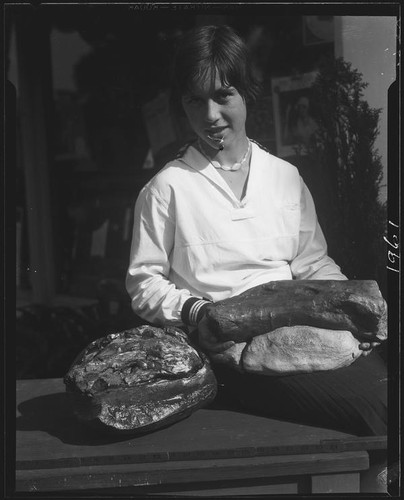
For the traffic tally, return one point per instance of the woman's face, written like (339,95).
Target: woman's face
(216,112)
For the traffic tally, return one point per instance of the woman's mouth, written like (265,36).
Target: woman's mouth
(216,135)
(218,139)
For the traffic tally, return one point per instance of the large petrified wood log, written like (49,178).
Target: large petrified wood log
(353,305)
(139,380)
(292,349)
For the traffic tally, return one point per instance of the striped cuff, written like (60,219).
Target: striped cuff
(193,310)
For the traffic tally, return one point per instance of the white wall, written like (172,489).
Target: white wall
(369,43)
(66,50)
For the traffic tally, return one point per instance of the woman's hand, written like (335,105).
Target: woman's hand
(366,347)
(208,341)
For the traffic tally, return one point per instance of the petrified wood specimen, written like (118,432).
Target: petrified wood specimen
(140,379)
(356,306)
(292,349)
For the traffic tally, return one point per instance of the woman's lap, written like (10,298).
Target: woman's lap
(351,399)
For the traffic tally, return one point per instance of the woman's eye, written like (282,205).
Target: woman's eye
(221,97)
(224,96)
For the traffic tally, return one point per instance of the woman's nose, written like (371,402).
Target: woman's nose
(212,111)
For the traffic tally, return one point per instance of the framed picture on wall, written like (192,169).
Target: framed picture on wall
(294,121)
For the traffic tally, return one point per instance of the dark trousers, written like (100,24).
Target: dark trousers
(351,399)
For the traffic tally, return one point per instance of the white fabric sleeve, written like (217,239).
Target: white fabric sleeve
(154,297)
(312,261)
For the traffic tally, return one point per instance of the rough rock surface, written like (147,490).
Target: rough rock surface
(353,305)
(292,349)
(300,349)
(140,379)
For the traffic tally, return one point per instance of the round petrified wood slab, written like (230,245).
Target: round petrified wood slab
(290,350)
(300,349)
(140,379)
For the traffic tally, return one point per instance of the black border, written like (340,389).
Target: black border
(359,8)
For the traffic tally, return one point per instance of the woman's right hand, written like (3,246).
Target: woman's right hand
(208,340)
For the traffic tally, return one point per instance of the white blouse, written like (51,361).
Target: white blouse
(193,237)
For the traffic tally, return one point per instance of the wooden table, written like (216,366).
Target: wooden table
(216,451)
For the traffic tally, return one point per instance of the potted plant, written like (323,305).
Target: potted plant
(348,171)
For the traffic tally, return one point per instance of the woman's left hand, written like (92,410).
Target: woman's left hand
(367,347)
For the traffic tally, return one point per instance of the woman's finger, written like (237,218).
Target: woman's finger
(220,347)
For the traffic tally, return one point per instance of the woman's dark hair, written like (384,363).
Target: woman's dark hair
(214,50)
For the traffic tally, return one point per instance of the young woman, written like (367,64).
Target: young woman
(225,216)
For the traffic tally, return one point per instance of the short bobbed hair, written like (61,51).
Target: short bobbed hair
(214,51)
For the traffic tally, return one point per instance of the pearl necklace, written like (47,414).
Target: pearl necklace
(236,166)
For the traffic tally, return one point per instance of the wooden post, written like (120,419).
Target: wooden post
(33,54)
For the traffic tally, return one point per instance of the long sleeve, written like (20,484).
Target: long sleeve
(312,261)
(154,297)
